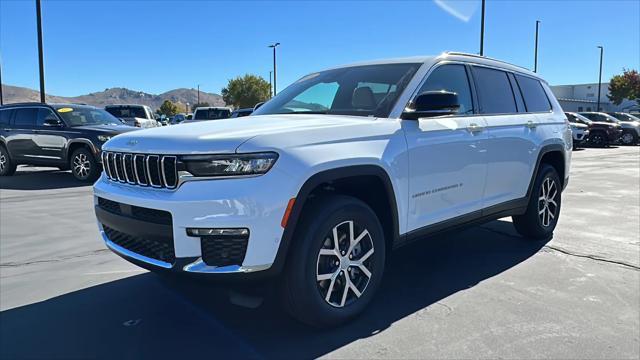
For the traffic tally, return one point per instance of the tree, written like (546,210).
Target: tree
(246,91)
(168,108)
(202,104)
(625,86)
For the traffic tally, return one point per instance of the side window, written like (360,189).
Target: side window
(494,91)
(5,116)
(25,117)
(43,115)
(451,78)
(570,117)
(534,96)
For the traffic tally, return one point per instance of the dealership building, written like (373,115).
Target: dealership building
(584,97)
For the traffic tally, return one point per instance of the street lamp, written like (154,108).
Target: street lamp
(186,107)
(40,56)
(270,86)
(600,77)
(274,46)
(198,94)
(1,103)
(535,60)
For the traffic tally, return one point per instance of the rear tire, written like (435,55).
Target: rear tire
(543,210)
(84,166)
(629,138)
(7,165)
(336,263)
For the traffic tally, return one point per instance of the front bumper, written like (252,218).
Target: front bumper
(256,203)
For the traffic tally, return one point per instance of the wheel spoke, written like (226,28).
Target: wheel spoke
(329,252)
(330,290)
(355,242)
(364,269)
(353,287)
(336,240)
(322,277)
(345,292)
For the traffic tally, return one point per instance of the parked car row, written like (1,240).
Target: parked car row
(602,129)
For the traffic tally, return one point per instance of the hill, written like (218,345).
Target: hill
(13,94)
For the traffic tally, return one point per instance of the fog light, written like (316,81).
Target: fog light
(217,232)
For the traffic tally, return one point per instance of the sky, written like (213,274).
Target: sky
(156,46)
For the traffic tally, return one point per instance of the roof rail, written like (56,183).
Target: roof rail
(483,57)
(25,103)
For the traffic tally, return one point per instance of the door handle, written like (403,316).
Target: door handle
(474,128)
(531,125)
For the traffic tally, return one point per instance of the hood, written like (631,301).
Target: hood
(226,135)
(603,124)
(629,124)
(579,126)
(114,129)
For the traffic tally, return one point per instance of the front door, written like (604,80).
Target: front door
(447,155)
(50,140)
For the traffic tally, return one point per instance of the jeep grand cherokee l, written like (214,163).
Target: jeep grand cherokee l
(321,182)
(600,133)
(67,136)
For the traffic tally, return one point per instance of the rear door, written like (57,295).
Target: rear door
(512,132)
(21,142)
(447,157)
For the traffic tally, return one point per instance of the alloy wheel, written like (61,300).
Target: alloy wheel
(598,140)
(81,165)
(547,202)
(627,138)
(3,161)
(343,269)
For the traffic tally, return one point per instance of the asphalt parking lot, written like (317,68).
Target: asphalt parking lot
(484,292)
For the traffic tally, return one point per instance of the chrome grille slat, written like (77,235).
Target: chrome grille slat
(158,171)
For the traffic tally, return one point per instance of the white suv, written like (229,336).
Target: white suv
(326,178)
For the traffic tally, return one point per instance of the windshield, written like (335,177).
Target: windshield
(624,117)
(369,90)
(582,118)
(127,111)
(80,116)
(211,114)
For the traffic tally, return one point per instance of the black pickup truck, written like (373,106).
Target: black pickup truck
(67,136)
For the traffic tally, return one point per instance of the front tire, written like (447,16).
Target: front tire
(543,210)
(84,166)
(7,165)
(336,263)
(598,139)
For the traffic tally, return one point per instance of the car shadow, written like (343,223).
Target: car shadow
(25,178)
(146,316)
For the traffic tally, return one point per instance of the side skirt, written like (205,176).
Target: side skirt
(509,208)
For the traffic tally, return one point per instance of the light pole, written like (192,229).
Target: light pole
(600,77)
(270,86)
(40,57)
(535,56)
(1,103)
(274,46)
(198,94)
(482,30)
(186,108)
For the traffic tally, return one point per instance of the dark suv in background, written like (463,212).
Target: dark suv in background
(67,136)
(600,133)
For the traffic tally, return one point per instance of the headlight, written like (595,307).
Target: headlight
(104,138)
(229,165)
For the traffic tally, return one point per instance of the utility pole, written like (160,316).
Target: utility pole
(198,93)
(535,60)
(270,86)
(40,56)
(600,77)
(482,30)
(274,46)
(1,101)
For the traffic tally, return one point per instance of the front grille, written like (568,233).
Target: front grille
(159,171)
(223,250)
(136,212)
(159,249)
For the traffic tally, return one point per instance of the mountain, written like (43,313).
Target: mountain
(13,94)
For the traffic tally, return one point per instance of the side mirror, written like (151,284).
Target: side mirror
(432,103)
(258,105)
(53,123)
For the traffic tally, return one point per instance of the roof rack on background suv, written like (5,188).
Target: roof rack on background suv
(482,57)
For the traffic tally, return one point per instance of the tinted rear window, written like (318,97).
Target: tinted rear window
(212,114)
(26,116)
(494,91)
(5,116)
(534,96)
(127,112)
